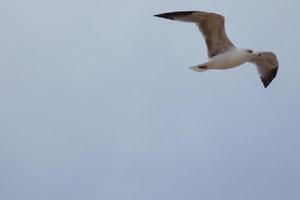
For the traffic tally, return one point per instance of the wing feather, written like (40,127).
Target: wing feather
(211,25)
(267,66)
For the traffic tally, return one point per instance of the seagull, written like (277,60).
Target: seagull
(222,53)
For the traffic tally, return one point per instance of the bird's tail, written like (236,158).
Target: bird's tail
(199,68)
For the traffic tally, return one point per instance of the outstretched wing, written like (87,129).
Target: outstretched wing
(267,66)
(211,26)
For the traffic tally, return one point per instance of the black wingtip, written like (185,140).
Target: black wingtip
(265,82)
(173,15)
(165,15)
(268,79)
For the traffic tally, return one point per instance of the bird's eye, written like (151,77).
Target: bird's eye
(250,51)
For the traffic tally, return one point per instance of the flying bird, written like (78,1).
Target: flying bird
(222,53)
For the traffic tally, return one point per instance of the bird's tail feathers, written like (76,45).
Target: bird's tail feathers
(199,68)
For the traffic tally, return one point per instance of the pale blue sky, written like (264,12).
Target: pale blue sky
(97,102)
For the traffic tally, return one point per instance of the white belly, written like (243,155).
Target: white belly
(227,60)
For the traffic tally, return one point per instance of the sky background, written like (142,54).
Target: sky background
(97,102)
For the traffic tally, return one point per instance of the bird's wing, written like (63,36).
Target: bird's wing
(211,26)
(267,66)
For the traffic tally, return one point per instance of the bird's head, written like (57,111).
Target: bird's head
(250,54)
(249,51)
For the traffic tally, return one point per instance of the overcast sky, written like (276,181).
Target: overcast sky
(97,102)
